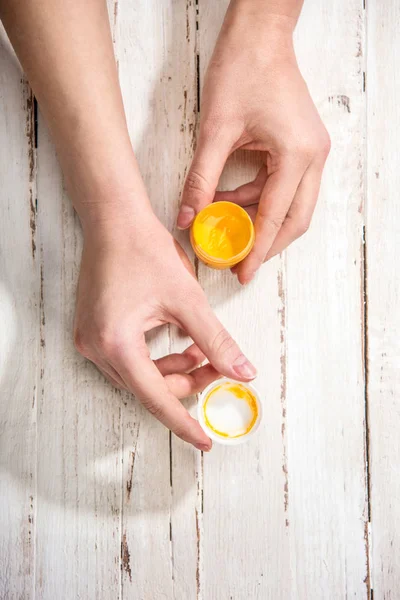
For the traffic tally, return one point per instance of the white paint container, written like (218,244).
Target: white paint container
(229,411)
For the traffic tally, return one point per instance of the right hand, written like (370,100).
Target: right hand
(133,279)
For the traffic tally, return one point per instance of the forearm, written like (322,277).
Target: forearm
(259,31)
(65,48)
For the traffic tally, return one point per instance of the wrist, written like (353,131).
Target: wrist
(112,201)
(106,188)
(251,27)
(280,14)
(109,218)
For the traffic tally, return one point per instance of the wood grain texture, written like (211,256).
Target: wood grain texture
(305,301)
(325,387)
(79,432)
(158,96)
(97,500)
(19,331)
(245,544)
(383,294)
(79,436)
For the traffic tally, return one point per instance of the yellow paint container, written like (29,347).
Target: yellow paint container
(222,235)
(229,411)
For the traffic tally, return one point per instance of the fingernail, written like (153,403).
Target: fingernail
(244,368)
(185,217)
(248,279)
(204,447)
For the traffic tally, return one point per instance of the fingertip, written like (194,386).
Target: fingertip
(245,277)
(204,447)
(185,217)
(244,369)
(195,435)
(247,269)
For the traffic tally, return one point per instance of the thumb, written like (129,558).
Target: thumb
(215,342)
(202,180)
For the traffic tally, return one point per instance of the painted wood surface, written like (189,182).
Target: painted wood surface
(97,500)
(383,294)
(19,331)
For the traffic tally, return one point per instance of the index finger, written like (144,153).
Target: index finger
(275,200)
(144,379)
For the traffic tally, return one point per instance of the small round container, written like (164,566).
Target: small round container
(222,235)
(229,411)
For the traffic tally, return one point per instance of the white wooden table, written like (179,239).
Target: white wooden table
(97,500)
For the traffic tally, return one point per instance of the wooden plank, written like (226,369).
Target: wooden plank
(245,544)
(19,338)
(383,295)
(324,382)
(301,322)
(185,461)
(79,421)
(157,64)
(79,436)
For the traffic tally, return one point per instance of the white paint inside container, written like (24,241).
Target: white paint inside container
(229,411)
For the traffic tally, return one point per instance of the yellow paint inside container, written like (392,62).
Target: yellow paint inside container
(222,235)
(230,410)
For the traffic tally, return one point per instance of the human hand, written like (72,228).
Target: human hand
(255,98)
(134,278)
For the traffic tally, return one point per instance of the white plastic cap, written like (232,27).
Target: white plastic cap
(229,411)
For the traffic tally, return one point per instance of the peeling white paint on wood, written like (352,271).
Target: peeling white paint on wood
(383,294)
(325,385)
(97,501)
(19,331)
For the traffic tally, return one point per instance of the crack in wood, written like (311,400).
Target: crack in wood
(342,100)
(199,511)
(126,557)
(31,134)
(367,467)
(41,304)
(198,537)
(115,19)
(188,5)
(282,316)
(32,221)
(130,478)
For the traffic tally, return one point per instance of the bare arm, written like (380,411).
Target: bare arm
(66,50)
(128,283)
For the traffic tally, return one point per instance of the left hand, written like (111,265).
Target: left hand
(255,98)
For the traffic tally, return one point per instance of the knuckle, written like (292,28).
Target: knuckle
(105,340)
(223,343)
(302,227)
(276,223)
(318,145)
(325,144)
(299,225)
(273,222)
(101,336)
(155,408)
(110,341)
(81,341)
(196,183)
(308,150)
